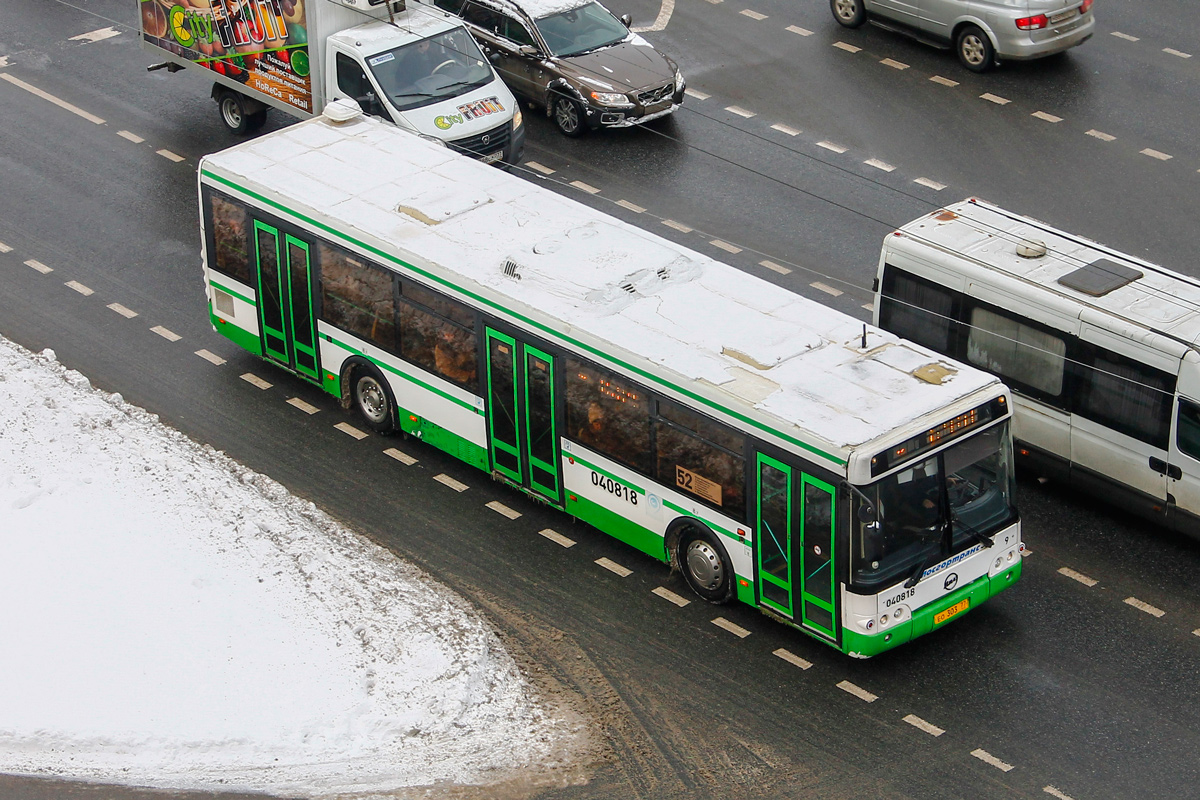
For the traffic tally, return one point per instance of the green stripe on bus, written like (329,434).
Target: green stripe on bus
(617,526)
(236,334)
(608,474)
(404,375)
(227,290)
(546,330)
(714,526)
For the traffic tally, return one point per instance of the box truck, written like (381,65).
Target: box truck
(417,68)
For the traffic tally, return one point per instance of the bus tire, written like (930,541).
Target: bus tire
(372,396)
(705,564)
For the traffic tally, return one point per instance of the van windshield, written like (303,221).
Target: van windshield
(438,68)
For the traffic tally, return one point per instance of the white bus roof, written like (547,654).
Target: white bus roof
(755,350)
(1083,272)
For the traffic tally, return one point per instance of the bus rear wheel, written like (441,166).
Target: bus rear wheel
(373,399)
(705,565)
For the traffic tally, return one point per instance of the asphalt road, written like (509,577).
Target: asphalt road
(1069,684)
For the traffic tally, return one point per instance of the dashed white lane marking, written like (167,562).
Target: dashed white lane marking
(741,112)
(39,266)
(771,265)
(98,35)
(796,29)
(1196,632)
(869,307)
(943,81)
(837,148)
(1142,605)
(1104,137)
(849,48)
(660,22)
(255,381)
(826,288)
(995,98)
(557,537)
(696,93)
(79,287)
(634,207)
(503,510)
(988,758)
(671,597)
(857,691)
(614,567)
(585,187)
(679,226)
(922,725)
(1173,52)
(5,248)
(166,333)
(789,130)
(1155,154)
(735,629)
(887,62)
(401,456)
(877,164)
(726,246)
(1077,576)
(307,408)
(792,658)
(1125,36)
(754,15)
(1047,117)
(63,104)
(1050,790)
(210,357)
(351,431)
(937,187)
(536,167)
(446,480)
(3,61)
(133,137)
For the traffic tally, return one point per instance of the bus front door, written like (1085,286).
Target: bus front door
(523,441)
(285,300)
(795,546)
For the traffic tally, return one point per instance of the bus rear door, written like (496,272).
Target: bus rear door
(285,300)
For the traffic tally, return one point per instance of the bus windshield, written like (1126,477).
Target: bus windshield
(935,508)
(434,69)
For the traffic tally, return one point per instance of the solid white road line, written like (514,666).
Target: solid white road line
(63,104)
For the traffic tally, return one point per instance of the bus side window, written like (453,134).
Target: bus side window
(917,309)
(438,334)
(1127,396)
(356,296)
(701,457)
(1026,355)
(232,248)
(608,414)
(1187,429)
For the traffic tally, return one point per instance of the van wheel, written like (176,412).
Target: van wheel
(705,565)
(233,113)
(849,13)
(568,116)
(975,49)
(373,399)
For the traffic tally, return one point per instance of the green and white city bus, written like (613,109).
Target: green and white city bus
(842,480)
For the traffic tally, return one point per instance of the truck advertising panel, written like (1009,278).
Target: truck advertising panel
(262,44)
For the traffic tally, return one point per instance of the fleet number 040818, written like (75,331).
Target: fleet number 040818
(614,487)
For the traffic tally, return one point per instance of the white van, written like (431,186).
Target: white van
(1100,347)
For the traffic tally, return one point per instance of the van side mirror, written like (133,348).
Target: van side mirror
(626,20)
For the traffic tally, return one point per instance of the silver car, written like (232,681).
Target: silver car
(982,32)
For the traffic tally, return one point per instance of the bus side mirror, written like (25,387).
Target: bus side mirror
(867,513)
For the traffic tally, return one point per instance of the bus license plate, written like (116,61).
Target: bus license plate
(960,606)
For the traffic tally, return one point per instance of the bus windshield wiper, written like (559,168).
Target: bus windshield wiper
(974,533)
(915,576)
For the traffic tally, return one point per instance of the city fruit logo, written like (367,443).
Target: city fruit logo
(479,108)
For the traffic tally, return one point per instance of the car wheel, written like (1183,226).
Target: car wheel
(568,116)
(373,400)
(705,565)
(849,13)
(233,112)
(975,49)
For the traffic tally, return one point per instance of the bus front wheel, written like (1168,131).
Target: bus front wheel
(705,565)
(373,399)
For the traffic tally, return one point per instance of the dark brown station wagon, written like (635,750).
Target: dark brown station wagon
(575,59)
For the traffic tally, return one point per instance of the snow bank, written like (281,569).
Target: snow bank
(171,618)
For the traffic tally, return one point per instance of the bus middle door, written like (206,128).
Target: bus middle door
(285,300)
(522,435)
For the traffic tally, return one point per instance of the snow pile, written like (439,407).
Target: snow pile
(170,618)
